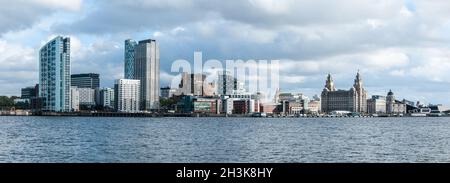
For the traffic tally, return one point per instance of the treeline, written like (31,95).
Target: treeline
(7,103)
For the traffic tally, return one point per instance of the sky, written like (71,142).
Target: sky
(396,44)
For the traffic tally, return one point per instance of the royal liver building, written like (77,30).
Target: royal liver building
(353,100)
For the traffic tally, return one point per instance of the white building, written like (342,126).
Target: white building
(74,99)
(393,106)
(107,97)
(87,97)
(228,106)
(376,105)
(127,93)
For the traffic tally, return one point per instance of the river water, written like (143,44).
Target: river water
(217,140)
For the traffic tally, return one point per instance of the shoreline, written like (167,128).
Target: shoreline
(190,115)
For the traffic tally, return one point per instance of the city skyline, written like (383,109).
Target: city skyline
(401,45)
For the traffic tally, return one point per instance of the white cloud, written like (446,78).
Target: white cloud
(73,5)
(375,23)
(273,6)
(292,79)
(386,58)
(434,69)
(397,73)
(15,57)
(405,12)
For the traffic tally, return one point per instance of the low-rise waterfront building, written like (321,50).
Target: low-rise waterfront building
(126,97)
(376,105)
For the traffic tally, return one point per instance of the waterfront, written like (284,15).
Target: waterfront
(85,139)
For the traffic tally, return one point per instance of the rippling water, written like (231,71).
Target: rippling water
(80,139)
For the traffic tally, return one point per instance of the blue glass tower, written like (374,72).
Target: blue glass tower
(54,75)
(130,46)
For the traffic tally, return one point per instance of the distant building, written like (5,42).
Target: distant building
(393,106)
(376,105)
(194,84)
(74,99)
(205,105)
(228,85)
(353,100)
(130,46)
(291,103)
(167,92)
(28,92)
(37,104)
(234,104)
(243,106)
(269,108)
(438,109)
(146,70)
(407,102)
(88,80)
(107,98)
(87,98)
(191,84)
(127,95)
(314,106)
(54,75)
(22,103)
(291,108)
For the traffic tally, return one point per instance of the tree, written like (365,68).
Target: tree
(6,102)
(167,104)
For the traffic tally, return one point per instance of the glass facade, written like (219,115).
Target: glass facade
(130,46)
(54,75)
(146,69)
(90,80)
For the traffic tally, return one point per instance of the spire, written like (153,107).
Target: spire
(330,83)
(358,76)
(358,81)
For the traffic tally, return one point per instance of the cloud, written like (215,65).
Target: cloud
(22,14)
(15,57)
(18,67)
(398,73)
(393,43)
(73,5)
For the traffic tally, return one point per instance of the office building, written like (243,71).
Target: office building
(54,75)
(126,95)
(88,80)
(146,70)
(130,46)
(28,92)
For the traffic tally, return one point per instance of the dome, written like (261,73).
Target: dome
(390,93)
